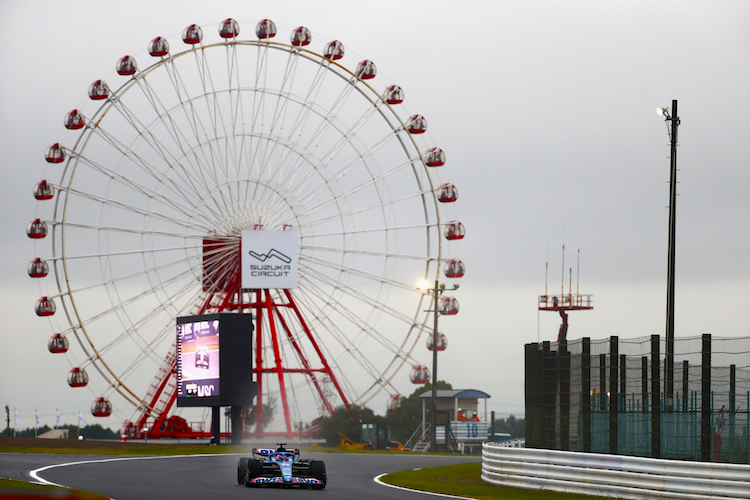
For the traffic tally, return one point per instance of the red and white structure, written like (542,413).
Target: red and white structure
(174,163)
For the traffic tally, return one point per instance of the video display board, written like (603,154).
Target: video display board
(214,360)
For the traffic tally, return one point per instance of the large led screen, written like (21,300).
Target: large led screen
(198,359)
(214,360)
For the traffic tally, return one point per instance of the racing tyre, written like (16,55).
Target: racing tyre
(253,470)
(318,471)
(241,468)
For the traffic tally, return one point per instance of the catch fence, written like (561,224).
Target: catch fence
(609,396)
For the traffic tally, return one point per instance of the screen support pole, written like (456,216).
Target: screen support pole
(216,424)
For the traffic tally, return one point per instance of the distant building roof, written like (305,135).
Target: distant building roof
(55,434)
(460,393)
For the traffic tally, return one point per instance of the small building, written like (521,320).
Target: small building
(459,410)
(55,434)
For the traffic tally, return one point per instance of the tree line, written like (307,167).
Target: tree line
(403,421)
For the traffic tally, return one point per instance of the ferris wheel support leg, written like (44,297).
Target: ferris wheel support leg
(327,369)
(306,364)
(279,368)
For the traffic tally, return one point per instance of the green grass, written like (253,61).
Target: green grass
(465,480)
(136,449)
(31,491)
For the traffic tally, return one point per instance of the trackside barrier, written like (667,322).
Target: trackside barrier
(613,475)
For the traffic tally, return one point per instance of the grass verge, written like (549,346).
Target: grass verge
(465,480)
(12,489)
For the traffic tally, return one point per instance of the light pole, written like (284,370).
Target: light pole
(669,348)
(424,285)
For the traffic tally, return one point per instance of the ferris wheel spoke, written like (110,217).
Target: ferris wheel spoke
(137,187)
(202,139)
(100,255)
(343,141)
(278,121)
(214,113)
(326,122)
(130,276)
(144,232)
(233,154)
(350,349)
(194,178)
(311,262)
(358,160)
(147,346)
(126,207)
(379,305)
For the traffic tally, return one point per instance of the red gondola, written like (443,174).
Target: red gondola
(45,307)
(126,66)
(229,28)
(417,124)
(454,268)
(98,90)
(442,342)
(158,47)
(101,407)
(301,36)
(454,230)
(38,268)
(394,402)
(77,377)
(265,29)
(434,157)
(366,70)
(192,34)
(57,344)
(43,190)
(333,50)
(36,229)
(419,374)
(448,306)
(394,94)
(54,154)
(447,193)
(74,120)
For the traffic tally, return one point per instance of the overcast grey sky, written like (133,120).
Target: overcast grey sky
(546,110)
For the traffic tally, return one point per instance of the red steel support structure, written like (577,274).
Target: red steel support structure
(279,311)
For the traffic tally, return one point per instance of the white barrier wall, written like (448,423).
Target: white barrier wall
(613,475)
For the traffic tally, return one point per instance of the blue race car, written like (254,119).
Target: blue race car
(281,467)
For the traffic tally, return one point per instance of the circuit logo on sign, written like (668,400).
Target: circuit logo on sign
(270,270)
(273,253)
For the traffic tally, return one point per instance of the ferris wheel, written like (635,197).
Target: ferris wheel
(182,151)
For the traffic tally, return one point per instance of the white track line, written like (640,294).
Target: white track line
(377,480)
(35,473)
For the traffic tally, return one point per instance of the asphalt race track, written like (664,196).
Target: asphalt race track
(201,477)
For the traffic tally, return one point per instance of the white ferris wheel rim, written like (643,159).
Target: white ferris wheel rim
(316,292)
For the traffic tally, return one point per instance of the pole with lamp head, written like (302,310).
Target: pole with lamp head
(424,285)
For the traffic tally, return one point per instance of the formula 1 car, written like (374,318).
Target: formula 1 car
(281,467)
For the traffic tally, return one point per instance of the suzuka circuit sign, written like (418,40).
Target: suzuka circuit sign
(269,259)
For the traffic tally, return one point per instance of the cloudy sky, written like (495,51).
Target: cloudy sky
(546,110)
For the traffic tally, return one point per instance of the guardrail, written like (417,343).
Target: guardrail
(613,475)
